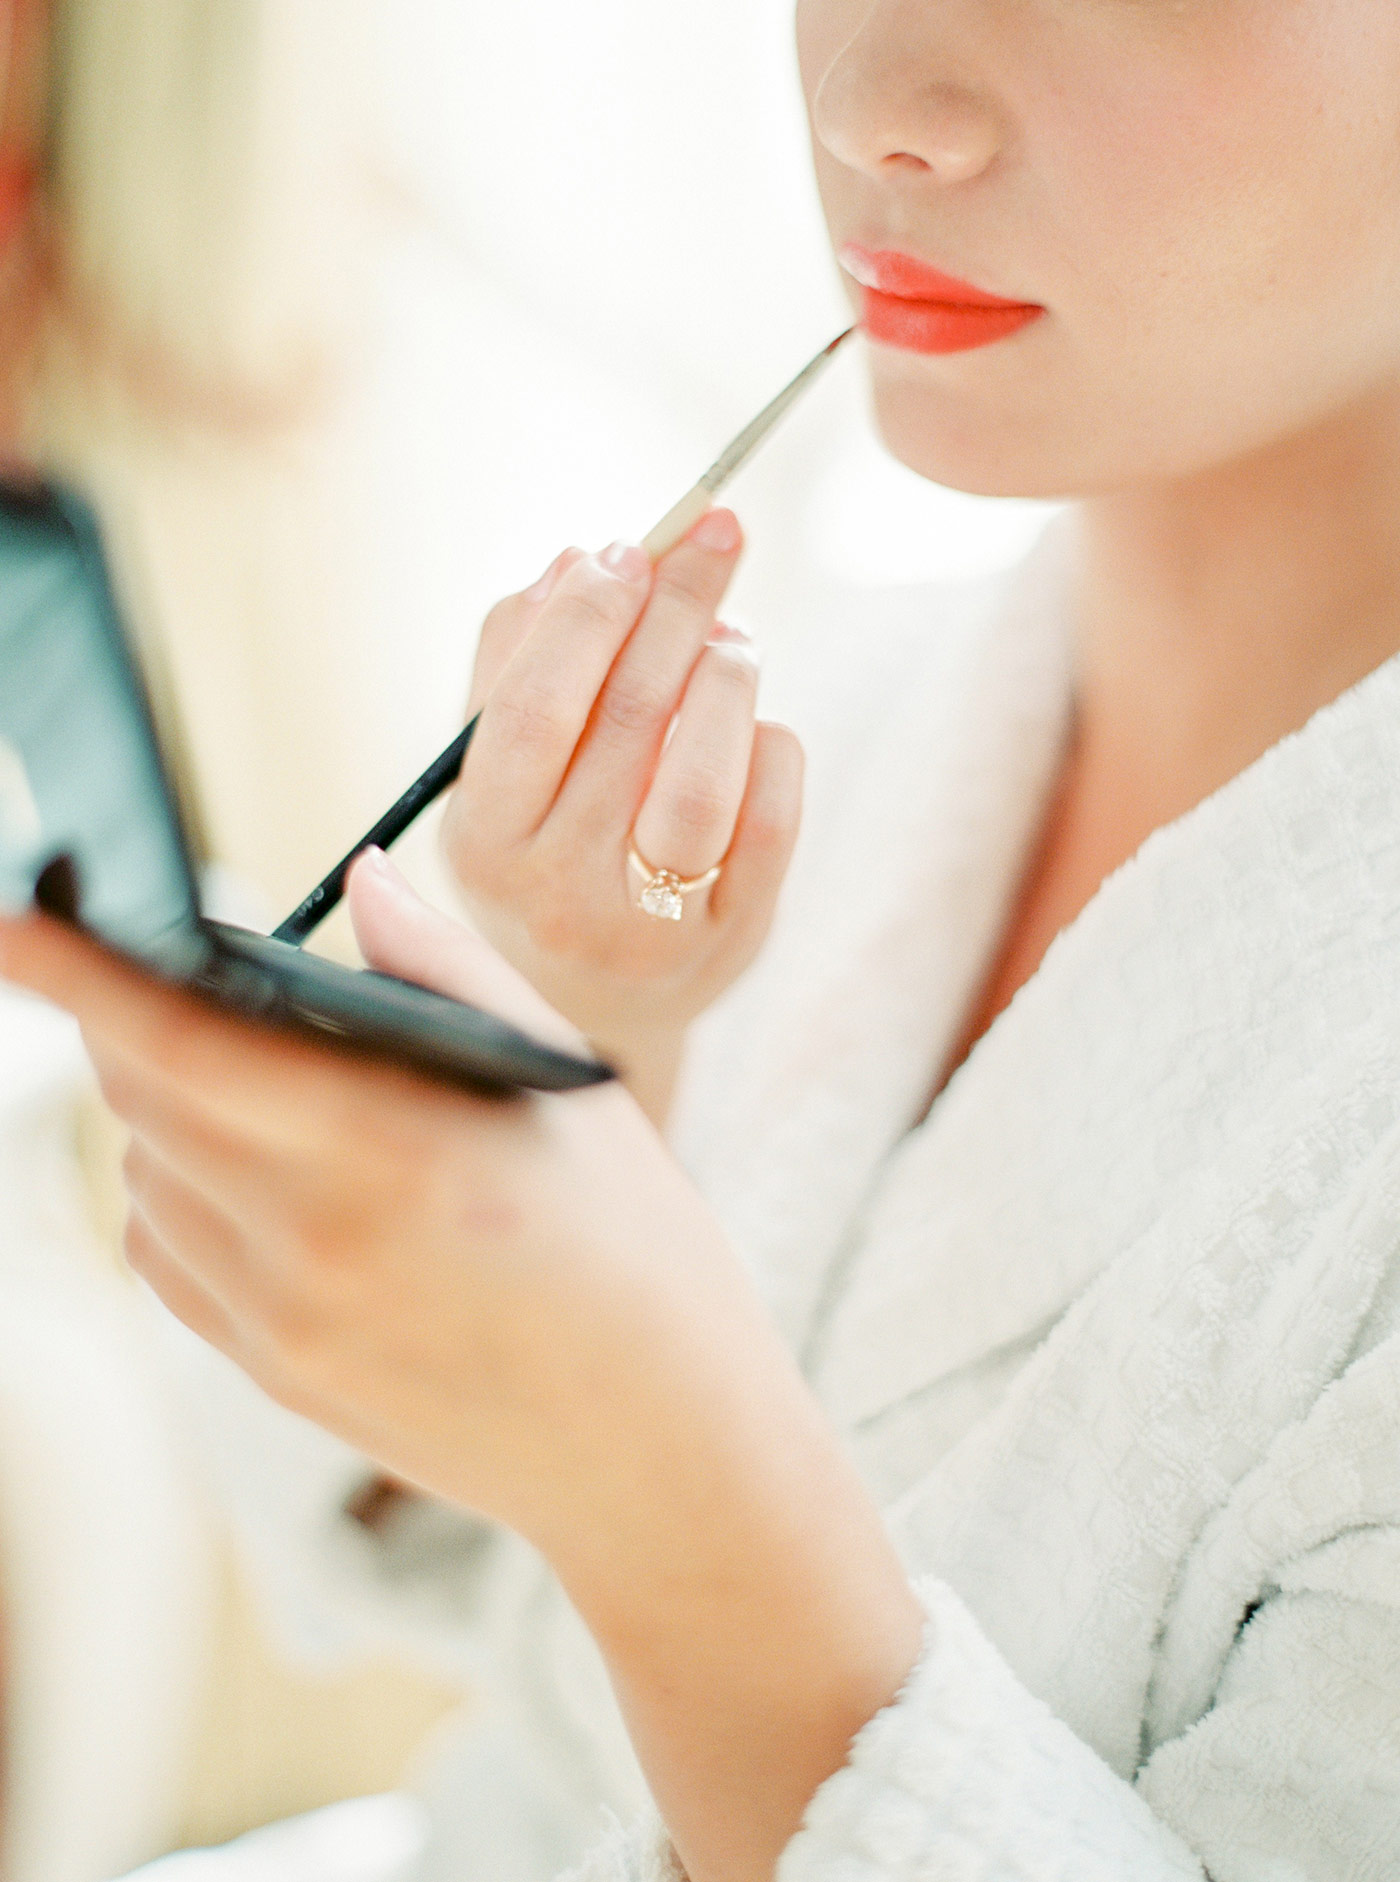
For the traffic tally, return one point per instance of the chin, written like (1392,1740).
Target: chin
(968,444)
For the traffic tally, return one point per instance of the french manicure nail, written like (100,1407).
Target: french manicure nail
(737,640)
(746,650)
(718,530)
(379,864)
(625,560)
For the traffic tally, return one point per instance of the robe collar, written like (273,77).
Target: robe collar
(1247,946)
(934,724)
(1203,1043)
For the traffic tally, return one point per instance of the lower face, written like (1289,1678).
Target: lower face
(1193,204)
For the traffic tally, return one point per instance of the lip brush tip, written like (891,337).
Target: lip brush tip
(678,521)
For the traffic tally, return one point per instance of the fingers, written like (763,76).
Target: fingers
(614,765)
(113,1000)
(187,1299)
(541,703)
(505,628)
(214,1272)
(582,682)
(400,934)
(692,808)
(266,1088)
(764,836)
(212,1159)
(595,730)
(227,1313)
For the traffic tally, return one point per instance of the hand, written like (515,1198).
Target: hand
(522,1306)
(450,1282)
(579,680)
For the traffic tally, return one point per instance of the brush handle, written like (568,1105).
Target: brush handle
(678,522)
(440,775)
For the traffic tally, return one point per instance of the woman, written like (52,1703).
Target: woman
(1087,1249)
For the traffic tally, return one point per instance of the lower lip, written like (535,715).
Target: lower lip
(939,326)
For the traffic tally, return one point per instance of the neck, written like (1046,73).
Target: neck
(1217,614)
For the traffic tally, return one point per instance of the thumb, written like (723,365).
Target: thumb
(400,934)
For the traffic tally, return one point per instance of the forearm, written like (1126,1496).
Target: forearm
(754,1616)
(753,1698)
(650,1067)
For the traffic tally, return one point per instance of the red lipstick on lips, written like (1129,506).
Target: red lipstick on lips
(910,305)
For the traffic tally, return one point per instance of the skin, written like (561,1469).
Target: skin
(572,755)
(525,1307)
(1205,196)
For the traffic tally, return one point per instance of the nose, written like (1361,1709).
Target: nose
(889,103)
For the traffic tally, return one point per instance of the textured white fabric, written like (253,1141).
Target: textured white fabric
(1114,1335)
(1114,1332)
(639,1853)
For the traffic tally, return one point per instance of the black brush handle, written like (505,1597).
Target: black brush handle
(440,776)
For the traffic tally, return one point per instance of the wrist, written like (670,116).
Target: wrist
(649,1063)
(751,1609)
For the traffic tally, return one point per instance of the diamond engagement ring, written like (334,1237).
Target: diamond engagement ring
(662,889)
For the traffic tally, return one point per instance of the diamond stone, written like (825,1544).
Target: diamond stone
(662,898)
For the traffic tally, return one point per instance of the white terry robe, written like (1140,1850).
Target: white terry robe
(1112,1334)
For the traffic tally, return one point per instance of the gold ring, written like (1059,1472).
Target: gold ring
(662,889)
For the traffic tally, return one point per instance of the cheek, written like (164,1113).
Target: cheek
(1220,229)
(1220,201)
(1245,205)
(824,28)
(1207,198)
(821,28)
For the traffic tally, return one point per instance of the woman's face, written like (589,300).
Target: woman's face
(1202,195)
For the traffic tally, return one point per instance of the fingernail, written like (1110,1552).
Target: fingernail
(626,561)
(377,863)
(718,530)
(745,651)
(737,640)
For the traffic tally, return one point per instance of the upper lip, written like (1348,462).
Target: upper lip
(890,271)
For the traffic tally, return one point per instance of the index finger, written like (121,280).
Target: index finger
(244,1077)
(541,702)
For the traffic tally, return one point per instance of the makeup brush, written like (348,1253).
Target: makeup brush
(442,773)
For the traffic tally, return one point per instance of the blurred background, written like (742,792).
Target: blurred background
(490,280)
